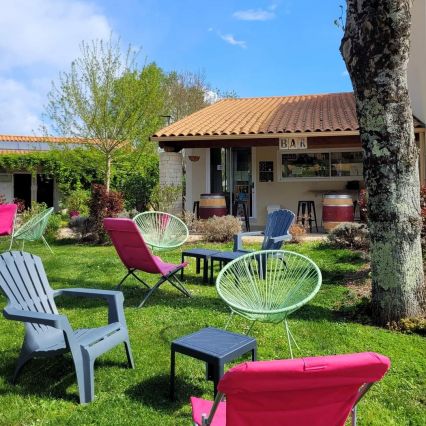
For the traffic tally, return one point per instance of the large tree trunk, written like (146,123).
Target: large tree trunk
(375,48)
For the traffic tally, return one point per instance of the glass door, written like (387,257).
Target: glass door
(242,182)
(231,174)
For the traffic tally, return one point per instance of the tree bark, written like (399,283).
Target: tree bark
(375,48)
(108,172)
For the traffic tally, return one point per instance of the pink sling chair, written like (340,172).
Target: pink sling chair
(136,256)
(320,391)
(7,220)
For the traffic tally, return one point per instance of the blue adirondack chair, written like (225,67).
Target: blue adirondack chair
(47,333)
(274,235)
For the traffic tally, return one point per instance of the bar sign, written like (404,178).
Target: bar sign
(293,143)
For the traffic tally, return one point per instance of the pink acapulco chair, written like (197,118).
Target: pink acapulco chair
(7,220)
(136,256)
(319,391)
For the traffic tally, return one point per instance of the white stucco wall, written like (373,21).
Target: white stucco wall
(286,194)
(417,62)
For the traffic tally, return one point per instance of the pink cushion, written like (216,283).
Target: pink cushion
(7,218)
(318,391)
(201,406)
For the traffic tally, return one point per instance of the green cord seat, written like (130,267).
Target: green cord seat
(269,285)
(33,230)
(161,231)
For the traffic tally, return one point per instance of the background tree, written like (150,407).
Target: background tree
(185,93)
(105,98)
(375,48)
(188,92)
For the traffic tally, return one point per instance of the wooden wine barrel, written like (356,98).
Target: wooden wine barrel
(212,205)
(336,209)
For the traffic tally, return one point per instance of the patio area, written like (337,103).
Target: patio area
(333,322)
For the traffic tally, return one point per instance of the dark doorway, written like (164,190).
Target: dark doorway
(45,190)
(22,188)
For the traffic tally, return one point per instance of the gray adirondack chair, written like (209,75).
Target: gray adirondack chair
(47,333)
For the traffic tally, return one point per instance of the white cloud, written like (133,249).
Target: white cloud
(229,38)
(211,96)
(46,32)
(20,108)
(255,14)
(39,38)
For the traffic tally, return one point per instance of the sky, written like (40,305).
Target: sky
(252,47)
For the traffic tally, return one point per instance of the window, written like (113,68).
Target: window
(306,165)
(346,163)
(321,164)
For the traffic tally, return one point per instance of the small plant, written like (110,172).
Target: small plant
(191,221)
(363,199)
(77,202)
(103,204)
(221,228)
(54,219)
(410,325)
(350,235)
(20,203)
(423,213)
(164,196)
(296,232)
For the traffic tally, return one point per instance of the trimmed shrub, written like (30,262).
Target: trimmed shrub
(350,235)
(103,204)
(221,228)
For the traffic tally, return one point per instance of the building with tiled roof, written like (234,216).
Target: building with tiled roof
(30,186)
(269,151)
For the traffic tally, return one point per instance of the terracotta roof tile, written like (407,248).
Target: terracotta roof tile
(282,114)
(47,139)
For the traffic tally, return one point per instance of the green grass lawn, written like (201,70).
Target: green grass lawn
(46,392)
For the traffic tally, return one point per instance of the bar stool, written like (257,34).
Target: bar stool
(307,208)
(243,204)
(196,209)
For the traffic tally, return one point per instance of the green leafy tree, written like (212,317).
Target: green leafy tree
(106,100)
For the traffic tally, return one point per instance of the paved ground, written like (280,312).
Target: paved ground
(307,237)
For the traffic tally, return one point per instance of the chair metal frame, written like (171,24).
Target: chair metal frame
(206,420)
(144,260)
(275,315)
(24,232)
(170,277)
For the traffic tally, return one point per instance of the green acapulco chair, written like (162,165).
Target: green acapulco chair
(161,231)
(268,286)
(33,230)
